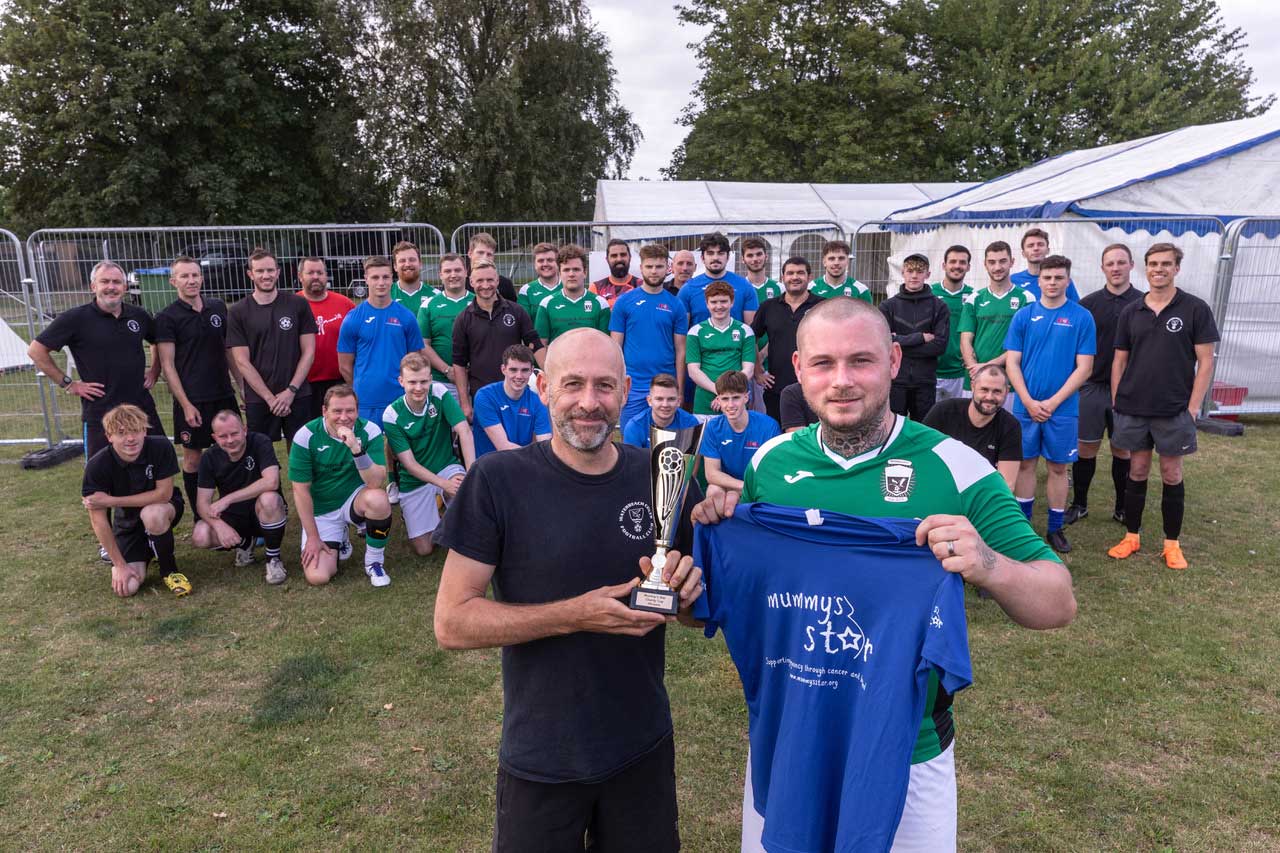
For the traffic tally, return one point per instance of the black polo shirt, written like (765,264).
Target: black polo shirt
(999,441)
(106,349)
(479,339)
(776,319)
(273,333)
(199,341)
(1105,307)
(1162,356)
(107,472)
(794,409)
(219,471)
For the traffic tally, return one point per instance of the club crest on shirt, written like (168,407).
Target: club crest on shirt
(737,335)
(636,520)
(431,410)
(184,437)
(286,323)
(898,480)
(1174,324)
(248,463)
(586,306)
(151,472)
(508,320)
(215,320)
(1013,302)
(133,326)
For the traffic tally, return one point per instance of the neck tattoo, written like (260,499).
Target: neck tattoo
(858,439)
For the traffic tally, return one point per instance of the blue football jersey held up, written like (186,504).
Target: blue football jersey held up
(834,623)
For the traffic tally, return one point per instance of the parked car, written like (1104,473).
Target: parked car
(225,264)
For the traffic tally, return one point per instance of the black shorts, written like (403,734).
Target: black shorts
(634,810)
(199,437)
(258,418)
(132,539)
(244,520)
(1096,416)
(1175,436)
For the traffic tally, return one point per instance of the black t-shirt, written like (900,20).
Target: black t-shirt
(273,333)
(199,341)
(1105,307)
(106,472)
(794,409)
(998,441)
(479,339)
(1162,354)
(106,349)
(776,319)
(218,471)
(580,707)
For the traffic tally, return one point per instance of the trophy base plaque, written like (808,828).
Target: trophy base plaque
(655,600)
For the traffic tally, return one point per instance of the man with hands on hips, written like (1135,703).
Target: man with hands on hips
(845,362)
(586,730)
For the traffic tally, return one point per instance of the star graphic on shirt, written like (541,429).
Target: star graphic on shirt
(849,639)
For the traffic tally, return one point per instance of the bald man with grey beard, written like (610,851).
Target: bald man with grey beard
(583,694)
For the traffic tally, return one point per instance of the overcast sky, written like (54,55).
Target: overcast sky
(657,71)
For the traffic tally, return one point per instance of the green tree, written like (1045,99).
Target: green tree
(947,89)
(801,90)
(1015,81)
(146,113)
(493,109)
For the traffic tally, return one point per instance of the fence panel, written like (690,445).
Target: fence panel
(1246,306)
(24,415)
(516,239)
(61,259)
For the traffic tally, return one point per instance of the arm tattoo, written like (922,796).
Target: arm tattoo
(987,556)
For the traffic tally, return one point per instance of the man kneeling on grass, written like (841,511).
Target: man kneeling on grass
(243,468)
(338,468)
(133,475)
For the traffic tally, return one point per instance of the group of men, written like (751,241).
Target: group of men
(415,385)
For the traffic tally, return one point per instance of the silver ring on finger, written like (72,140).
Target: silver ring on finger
(951,547)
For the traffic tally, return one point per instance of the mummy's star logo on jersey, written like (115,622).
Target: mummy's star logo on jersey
(636,520)
(1174,324)
(133,326)
(898,480)
(836,630)
(936,619)
(286,323)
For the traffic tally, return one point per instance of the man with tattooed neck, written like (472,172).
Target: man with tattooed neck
(861,459)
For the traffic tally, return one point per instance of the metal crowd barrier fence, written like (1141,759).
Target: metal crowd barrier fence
(24,396)
(1246,306)
(61,259)
(516,239)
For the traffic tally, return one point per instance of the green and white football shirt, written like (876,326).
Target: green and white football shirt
(558,314)
(427,434)
(532,294)
(435,321)
(327,464)
(987,316)
(850,287)
(917,472)
(950,363)
(412,301)
(716,350)
(768,290)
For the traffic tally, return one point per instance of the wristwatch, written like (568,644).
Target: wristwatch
(65,381)
(293,388)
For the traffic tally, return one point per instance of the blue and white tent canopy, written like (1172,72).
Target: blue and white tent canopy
(1225,170)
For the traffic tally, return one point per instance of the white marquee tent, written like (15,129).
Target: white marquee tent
(1219,172)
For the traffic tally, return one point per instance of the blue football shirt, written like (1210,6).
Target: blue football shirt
(1049,340)
(834,624)
(520,419)
(636,432)
(693,296)
(650,322)
(1031,284)
(379,338)
(735,449)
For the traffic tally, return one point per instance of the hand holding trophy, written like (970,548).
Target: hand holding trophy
(671,466)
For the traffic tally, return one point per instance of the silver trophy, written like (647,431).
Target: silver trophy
(671,466)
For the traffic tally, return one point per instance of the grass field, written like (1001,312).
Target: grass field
(252,717)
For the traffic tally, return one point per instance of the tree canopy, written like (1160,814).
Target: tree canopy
(802,90)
